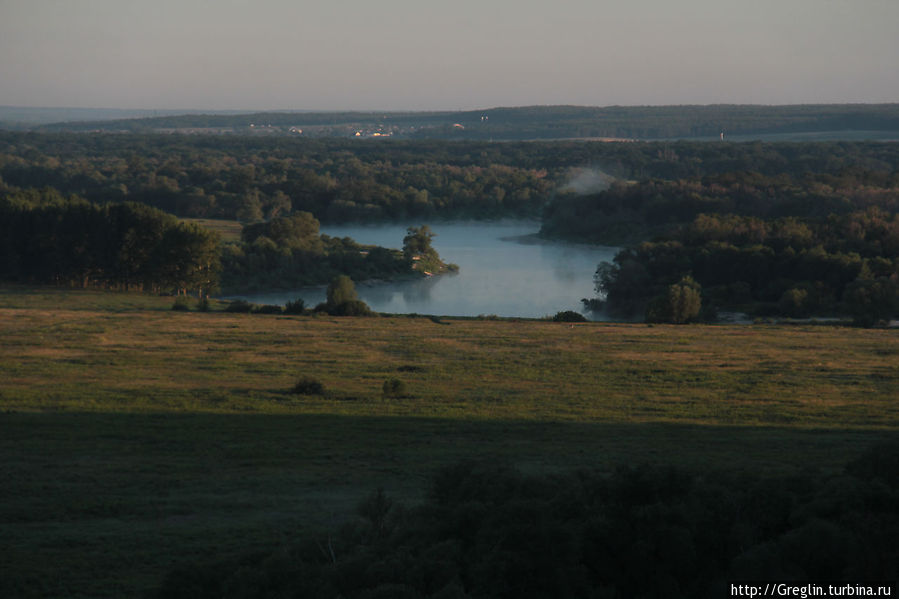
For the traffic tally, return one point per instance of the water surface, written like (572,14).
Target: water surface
(504,271)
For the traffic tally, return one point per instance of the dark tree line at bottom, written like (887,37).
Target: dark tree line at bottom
(490,531)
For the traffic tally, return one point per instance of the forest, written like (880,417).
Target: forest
(67,241)
(344,180)
(793,246)
(809,227)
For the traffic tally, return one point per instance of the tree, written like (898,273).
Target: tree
(341,290)
(417,242)
(679,304)
(297,231)
(343,300)
(872,301)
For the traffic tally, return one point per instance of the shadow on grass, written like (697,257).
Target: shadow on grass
(82,490)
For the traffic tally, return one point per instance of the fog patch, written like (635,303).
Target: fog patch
(584,180)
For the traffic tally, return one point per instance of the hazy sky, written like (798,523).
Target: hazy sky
(459,54)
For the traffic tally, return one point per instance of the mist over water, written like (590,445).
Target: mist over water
(503,272)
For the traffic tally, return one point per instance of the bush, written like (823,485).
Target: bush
(182,304)
(393,388)
(203,306)
(298,306)
(342,299)
(349,308)
(569,316)
(872,301)
(308,386)
(242,306)
(267,309)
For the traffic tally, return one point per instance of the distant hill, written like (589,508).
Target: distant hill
(830,121)
(26,117)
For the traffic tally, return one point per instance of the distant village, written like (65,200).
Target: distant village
(356,130)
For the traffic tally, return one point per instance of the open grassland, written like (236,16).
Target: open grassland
(133,437)
(80,353)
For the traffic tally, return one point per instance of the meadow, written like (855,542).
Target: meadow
(134,437)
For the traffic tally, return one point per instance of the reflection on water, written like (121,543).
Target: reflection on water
(499,273)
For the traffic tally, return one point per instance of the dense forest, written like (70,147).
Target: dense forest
(796,246)
(657,206)
(488,531)
(528,122)
(45,238)
(342,180)
(785,228)
(251,180)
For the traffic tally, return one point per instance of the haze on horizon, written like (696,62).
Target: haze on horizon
(413,55)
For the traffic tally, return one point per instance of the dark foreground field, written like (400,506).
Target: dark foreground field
(134,438)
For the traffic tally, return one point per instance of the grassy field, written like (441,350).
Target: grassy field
(134,437)
(229,230)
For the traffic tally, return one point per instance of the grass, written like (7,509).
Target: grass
(133,437)
(229,230)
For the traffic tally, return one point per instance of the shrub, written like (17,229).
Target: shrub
(203,306)
(308,386)
(569,316)
(182,304)
(872,301)
(239,306)
(393,388)
(298,306)
(267,309)
(350,308)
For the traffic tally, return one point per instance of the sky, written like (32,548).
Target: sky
(442,55)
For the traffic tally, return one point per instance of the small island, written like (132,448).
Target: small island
(418,252)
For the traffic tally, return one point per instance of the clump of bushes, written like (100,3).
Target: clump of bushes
(569,316)
(267,309)
(393,389)
(241,306)
(182,304)
(298,306)
(308,386)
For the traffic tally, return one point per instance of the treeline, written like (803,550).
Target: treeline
(658,206)
(489,531)
(250,180)
(46,238)
(288,252)
(340,180)
(537,122)
(812,244)
(845,264)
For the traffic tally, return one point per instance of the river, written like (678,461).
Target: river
(504,271)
